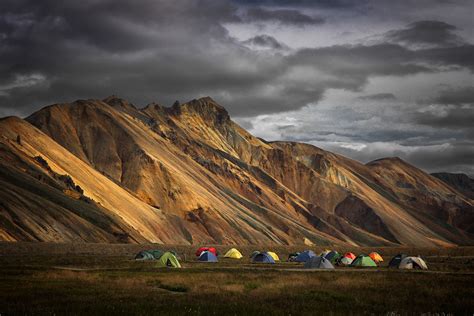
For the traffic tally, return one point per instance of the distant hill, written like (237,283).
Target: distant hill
(458,181)
(107,171)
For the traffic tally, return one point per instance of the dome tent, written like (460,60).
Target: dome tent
(262,257)
(324,252)
(149,254)
(253,254)
(233,253)
(395,261)
(413,263)
(332,256)
(376,257)
(363,261)
(168,259)
(144,255)
(350,255)
(318,262)
(210,249)
(273,255)
(344,261)
(207,256)
(305,256)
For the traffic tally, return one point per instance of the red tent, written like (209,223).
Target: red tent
(210,249)
(350,255)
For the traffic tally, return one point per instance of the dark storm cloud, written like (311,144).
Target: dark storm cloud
(378,97)
(461,95)
(435,33)
(384,59)
(455,157)
(453,109)
(304,3)
(283,16)
(265,41)
(162,51)
(455,118)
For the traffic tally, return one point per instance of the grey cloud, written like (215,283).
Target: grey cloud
(264,40)
(455,118)
(378,97)
(358,62)
(452,108)
(286,127)
(455,157)
(162,51)
(284,16)
(461,95)
(435,33)
(304,3)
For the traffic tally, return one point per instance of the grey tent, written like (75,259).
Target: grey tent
(144,255)
(253,254)
(413,263)
(156,253)
(318,263)
(305,256)
(395,261)
(344,261)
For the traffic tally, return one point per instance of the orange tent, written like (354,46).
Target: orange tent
(376,257)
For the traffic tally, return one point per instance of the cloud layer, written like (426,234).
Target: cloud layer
(265,59)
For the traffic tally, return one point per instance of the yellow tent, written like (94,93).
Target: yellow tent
(233,253)
(273,255)
(324,253)
(376,257)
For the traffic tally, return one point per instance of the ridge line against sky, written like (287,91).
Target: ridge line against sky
(366,79)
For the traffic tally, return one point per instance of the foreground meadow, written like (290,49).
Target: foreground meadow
(103,279)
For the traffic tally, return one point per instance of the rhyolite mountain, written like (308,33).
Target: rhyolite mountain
(107,171)
(459,181)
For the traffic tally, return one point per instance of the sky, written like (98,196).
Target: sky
(364,78)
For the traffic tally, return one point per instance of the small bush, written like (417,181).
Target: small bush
(250,286)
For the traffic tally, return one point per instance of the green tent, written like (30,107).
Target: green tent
(363,261)
(333,256)
(168,260)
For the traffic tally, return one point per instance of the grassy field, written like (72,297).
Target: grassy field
(103,279)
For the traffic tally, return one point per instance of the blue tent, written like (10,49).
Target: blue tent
(207,256)
(263,257)
(305,256)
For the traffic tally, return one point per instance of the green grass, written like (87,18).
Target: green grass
(83,282)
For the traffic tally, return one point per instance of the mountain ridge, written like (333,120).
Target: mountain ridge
(192,175)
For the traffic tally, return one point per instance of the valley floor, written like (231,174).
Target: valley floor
(104,279)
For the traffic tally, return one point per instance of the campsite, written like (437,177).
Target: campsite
(237,157)
(104,279)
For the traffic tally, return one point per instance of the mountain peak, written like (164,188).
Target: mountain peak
(10,119)
(206,107)
(118,102)
(387,160)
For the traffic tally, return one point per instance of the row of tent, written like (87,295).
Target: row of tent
(325,260)
(163,258)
